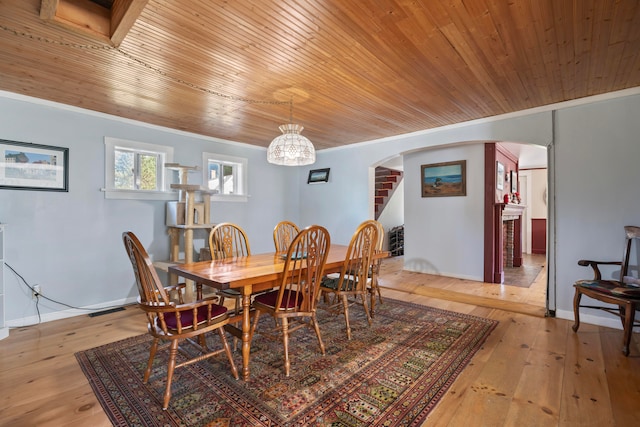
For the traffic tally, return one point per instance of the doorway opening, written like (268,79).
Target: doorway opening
(518,286)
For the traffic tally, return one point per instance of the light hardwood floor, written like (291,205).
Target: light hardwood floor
(532,371)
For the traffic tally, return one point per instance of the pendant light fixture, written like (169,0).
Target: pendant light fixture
(291,148)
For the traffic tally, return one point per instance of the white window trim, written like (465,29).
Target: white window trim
(242,177)
(110,192)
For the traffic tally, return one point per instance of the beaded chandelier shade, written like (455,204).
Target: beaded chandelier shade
(291,148)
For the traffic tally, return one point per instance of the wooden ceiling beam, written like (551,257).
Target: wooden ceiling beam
(88,18)
(124,13)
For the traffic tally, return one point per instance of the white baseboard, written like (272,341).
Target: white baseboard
(64,314)
(609,322)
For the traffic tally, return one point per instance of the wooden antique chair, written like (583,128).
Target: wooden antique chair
(293,303)
(623,293)
(175,322)
(354,274)
(374,271)
(283,233)
(227,240)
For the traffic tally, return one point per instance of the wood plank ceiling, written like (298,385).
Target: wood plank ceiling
(356,70)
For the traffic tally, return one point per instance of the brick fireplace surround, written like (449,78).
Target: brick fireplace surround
(511,235)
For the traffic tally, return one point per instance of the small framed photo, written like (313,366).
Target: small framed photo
(25,166)
(514,181)
(500,176)
(317,176)
(444,179)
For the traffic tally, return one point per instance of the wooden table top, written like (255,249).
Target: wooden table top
(242,271)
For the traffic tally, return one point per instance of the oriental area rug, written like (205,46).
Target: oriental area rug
(390,374)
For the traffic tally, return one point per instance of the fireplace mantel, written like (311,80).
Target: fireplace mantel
(511,211)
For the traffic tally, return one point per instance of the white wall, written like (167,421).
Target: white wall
(342,203)
(445,235)
(70,243)
(597,176)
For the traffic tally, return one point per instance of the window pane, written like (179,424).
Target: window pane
(229,182)
(225,176)
(148,171)
(124,177)
(213,181)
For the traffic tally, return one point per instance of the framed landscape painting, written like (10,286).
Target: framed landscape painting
(25,166)
(444,179)
(318,175)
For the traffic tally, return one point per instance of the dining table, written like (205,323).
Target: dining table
(249,275)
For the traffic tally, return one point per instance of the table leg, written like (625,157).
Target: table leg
(372,295)
(246,329)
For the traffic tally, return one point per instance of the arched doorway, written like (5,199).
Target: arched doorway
(533,161)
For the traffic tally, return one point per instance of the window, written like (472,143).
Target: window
(135,170)
(226,176)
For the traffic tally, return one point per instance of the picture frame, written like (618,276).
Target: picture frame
(499,176)
(26,166)
(317,176)
(514,181)
(444,179)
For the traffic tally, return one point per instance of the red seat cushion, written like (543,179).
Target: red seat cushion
(292,300)
(186,316)
(610,287)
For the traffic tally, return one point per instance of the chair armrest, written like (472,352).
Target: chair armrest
(594,265)
(160,307)
(156,306)
(199,303)
(177,287)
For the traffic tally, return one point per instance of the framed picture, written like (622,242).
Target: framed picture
(500,176)
(514,182)
(444,179)
(25,166)
(318,175)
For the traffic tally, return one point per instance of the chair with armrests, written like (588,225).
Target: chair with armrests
(227,240)
(293,303)
(175,322)
(623,293)
(353,278)
(283,234)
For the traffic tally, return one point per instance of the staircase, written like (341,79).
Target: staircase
(386,182)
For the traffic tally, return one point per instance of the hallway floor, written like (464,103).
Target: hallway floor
(510,297)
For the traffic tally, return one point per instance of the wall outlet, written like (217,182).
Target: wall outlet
(36,291)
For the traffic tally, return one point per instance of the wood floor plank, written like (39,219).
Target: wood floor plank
(585,397)
(491,394)
(536,401)
(623,378)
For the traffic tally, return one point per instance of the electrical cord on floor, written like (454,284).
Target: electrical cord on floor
(39,295)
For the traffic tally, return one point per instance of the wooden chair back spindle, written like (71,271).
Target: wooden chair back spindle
(354,274)
(283,234)
(227,240)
